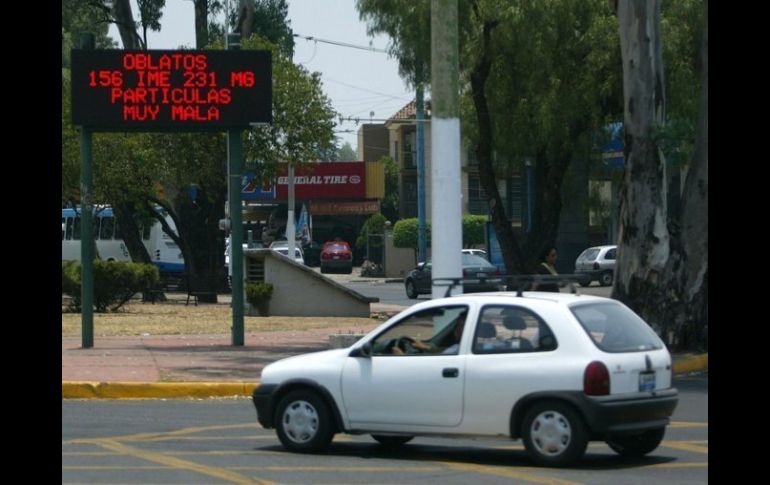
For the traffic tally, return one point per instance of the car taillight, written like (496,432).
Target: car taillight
(596,379)
(345,255)
(596,265)
(325,256)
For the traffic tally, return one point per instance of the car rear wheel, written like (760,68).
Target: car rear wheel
(304,422)
(606,278)
(636,445)
(554,434)
(392,440)
(411,291)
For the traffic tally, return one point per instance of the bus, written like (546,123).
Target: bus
(164,252)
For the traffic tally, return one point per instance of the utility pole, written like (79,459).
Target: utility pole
(446,193)
(420,118)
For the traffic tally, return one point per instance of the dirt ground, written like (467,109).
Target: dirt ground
(175,318)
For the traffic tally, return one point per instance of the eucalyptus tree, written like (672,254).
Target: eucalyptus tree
(268,18)
(662,269)
(303,117)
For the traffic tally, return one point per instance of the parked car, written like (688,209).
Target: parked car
(485,276)
(283,248)
(555,370)
(254,244)
(336,255)
(597,264)
(477,252)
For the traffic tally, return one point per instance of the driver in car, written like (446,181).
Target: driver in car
(450,347)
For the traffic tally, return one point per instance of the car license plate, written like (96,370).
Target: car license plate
(336,256)
(481,276)
(646,381)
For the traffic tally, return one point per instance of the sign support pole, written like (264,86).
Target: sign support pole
(87,41)
(235,164)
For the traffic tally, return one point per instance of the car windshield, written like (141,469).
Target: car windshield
(475,260)
(589,254)
(615,328)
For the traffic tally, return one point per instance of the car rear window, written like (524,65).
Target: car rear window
(615,328)
(336,247)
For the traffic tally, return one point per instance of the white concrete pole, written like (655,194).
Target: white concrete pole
(290,232)
(446,188)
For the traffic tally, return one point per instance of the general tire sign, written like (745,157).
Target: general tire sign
(170,90)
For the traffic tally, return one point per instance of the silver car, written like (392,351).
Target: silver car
(597,264)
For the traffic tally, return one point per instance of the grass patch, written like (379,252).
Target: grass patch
(177,319)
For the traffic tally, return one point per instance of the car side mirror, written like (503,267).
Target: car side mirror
(362,351)
(421,266)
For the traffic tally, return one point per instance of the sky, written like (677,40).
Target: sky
(358,82)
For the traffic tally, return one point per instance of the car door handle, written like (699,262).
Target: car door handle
(450,372)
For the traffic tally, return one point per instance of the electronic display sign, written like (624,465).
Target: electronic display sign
(170,90)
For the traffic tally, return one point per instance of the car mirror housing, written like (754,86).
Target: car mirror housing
(362,351)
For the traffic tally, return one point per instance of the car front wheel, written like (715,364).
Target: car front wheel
(304,422)
(636,445)
(411,291)
(554,434)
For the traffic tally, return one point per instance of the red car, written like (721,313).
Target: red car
(336,255)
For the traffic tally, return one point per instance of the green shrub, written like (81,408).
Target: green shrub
(405,232)
(374,225)
(114,282)
(258,295)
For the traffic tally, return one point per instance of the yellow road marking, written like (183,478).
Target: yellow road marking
(687,424)
(518,473)
(697,446)
(351,469)
(680,465)
(216,472)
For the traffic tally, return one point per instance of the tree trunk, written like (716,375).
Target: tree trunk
(688,318)
(509,246)
(198,227)
(245,22)
(124,216)
(643,243)
(201,23)
(124,20)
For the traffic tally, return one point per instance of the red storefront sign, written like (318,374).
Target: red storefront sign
(328,180)
(344,208)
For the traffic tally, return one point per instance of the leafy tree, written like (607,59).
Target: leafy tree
(78,17)
(347,154)
(303,118)
(269,19)
(389,204)
(150,13)
(533,57)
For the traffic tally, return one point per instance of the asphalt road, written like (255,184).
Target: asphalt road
(393,292)
(219,441)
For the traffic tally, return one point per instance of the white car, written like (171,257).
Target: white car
(283,248)
(555,370)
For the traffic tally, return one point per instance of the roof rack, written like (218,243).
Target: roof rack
(517,283)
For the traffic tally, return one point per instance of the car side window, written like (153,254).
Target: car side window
(610,254)
(428,332)
(511,329)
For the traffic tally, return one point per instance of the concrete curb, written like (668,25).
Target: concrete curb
(175,390)
(691,363)
(154,390)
